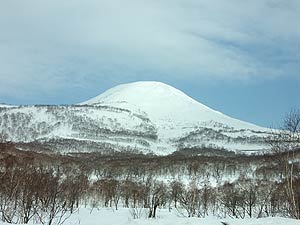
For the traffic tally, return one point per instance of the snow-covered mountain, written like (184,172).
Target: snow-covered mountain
(142,116)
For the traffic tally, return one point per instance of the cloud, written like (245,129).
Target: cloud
(48,46)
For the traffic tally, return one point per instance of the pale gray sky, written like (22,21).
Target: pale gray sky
(64,51)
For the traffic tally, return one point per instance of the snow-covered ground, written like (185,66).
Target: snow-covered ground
(124,217)
(105,216)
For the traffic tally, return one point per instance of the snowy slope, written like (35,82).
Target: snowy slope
(141,116)
(76,128)
(2,105)
(177,115)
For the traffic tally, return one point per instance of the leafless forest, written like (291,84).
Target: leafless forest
(47,188)
(41,187)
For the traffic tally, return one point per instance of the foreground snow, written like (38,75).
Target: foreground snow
(106,216)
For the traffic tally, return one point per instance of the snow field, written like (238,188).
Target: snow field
(105,216)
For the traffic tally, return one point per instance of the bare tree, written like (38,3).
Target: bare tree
(232,200)
(157,197)
(176,190)
(189,199)
(285,144)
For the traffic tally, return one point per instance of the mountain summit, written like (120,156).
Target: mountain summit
(158,100)
(141,116)
(162,102)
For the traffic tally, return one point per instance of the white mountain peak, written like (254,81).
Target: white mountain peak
(139,92)
(162,102)
(158,100)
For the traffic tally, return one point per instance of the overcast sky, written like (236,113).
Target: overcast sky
(240,57)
